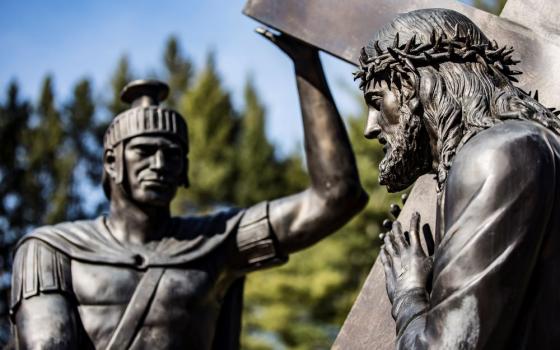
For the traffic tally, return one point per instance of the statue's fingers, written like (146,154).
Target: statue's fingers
(267,34)
(399,236)
(387,262)
(385,257)
(404,198)
(429,239)
(396,228)
(395,210)
(415,231)
(390,245)
(387,224)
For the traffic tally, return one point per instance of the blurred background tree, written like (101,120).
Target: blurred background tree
(51,166)
(492,6)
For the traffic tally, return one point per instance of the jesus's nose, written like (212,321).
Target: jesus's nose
(372,129)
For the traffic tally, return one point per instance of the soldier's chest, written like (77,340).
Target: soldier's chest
(184,299)
(111,285)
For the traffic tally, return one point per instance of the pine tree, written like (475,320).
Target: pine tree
(14,212)
(14,118)
(213,124)
(259,172)
(178,71)
(50,159)
(80,127)
(121,76)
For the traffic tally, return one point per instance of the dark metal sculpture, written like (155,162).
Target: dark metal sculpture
(141,279)
(442,100)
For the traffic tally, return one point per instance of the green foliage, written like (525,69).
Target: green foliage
(14,118)
(120,78)
(212,124)
(44,150)
(84,133)
(260,175)
(254,152)
(492,6)
(50,159)
(14,212)
(178,71)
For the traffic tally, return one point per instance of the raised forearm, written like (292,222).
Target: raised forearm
(335,194)
(330,160)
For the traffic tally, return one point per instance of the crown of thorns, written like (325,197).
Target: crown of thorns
(396,63)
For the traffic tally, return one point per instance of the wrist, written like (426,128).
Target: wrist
(407,305)
(412,284)
(406,297)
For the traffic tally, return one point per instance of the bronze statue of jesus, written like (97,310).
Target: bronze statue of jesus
(442,100)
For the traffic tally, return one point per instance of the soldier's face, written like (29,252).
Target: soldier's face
(398,127)
(154,167)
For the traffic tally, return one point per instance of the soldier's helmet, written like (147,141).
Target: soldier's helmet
(145,117)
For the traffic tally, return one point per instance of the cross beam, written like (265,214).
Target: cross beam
(341,28)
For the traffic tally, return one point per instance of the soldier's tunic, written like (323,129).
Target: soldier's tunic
(200,259)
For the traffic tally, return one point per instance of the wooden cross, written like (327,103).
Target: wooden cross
(343,27)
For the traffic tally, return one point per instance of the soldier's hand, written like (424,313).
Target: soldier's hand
(296,49)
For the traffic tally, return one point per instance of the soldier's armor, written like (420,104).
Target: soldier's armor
(186,304)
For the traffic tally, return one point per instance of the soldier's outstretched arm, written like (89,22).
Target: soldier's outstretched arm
(335,194)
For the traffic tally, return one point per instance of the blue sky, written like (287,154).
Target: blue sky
(76,39)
